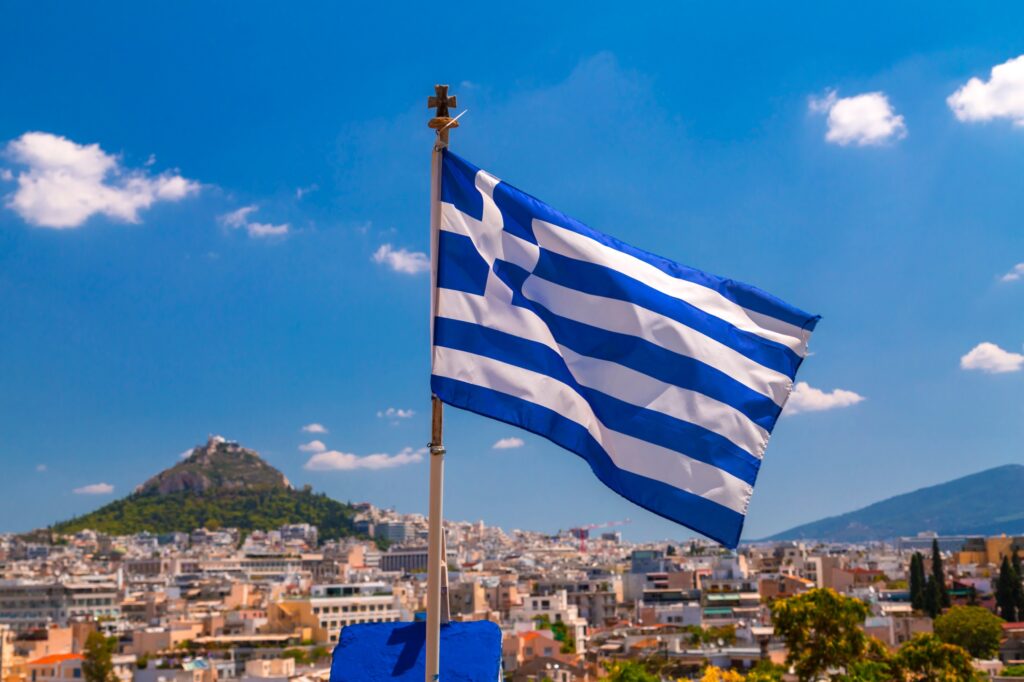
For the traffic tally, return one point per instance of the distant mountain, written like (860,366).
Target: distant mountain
(218,485)
(986,503)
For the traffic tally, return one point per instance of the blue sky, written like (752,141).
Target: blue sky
(810,150)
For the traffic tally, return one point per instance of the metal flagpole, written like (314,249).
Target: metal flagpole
(436,559)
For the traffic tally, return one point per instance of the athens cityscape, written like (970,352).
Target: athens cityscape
(546,342)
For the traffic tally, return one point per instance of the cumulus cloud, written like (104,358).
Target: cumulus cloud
(239,219)
(95,489)
(863,120)
(313,446)
(395,413)
(333,460)
(6,175)
(64,183)
(314,428)
(1001,96)
(1015,273)
(508,443)
(400,260)
(806,398)
(991,359)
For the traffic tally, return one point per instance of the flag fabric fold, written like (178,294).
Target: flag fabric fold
(667,380)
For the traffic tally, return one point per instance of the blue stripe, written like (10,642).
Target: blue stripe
(459,265)
(697,513)
(521,209)
(650,426)
(598,280)
(458,185)
(643,356)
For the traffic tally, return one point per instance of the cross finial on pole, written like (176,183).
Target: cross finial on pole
(442,121)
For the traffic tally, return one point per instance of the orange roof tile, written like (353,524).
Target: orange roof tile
(56,658)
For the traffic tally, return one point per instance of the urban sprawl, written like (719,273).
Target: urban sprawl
(574,606)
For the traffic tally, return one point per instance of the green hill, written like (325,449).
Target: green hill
(220,484)
(986,503)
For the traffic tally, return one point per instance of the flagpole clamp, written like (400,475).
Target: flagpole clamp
(436,449)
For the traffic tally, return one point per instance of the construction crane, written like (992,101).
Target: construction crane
(581,533)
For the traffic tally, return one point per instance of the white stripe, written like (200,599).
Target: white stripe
(626,452)
(610,378)
(626,318)
(638,389)
(575,245)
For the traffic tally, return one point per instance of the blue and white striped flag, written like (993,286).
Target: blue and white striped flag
(666,380)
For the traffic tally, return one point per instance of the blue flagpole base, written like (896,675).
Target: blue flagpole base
(374,652)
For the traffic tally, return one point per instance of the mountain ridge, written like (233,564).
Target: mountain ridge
(219,484)
(982,503)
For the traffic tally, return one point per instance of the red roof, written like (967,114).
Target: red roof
(56,658)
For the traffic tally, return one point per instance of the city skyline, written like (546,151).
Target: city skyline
(241,248)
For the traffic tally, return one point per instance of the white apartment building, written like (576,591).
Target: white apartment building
(557,609)
(339,605)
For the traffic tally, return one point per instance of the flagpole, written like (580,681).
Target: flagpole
(436,559)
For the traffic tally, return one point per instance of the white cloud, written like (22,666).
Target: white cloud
(1001,96)
(400,260)
(396,413)
(95,489)
(508,443)
(6,175)
(863,120)
(1015,273)
(806,398)
(314,428)
(239,219)
(991,359)
(313,446)
(41,468)
(186,454)
(65,183)
(303,191)
(343,461)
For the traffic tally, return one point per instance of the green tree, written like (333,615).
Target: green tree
(1007,586)
(933,597)
(876,665)
(629,671)
(926,658)
(766,671)
(821,629)
(1018,589)
(97,660)
(917,581)
(972,628)
(939,575)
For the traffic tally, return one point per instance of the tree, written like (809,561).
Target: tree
(933,597)
(97,661)
(1006,601)
(822,631)
(972,628)
(1018,589)
(938,574)
(765,671)
(713,674)
(917,581)
(927,659)
(629,671)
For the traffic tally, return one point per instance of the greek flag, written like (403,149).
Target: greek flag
(665,379)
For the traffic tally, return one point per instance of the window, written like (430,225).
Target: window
(76,673)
